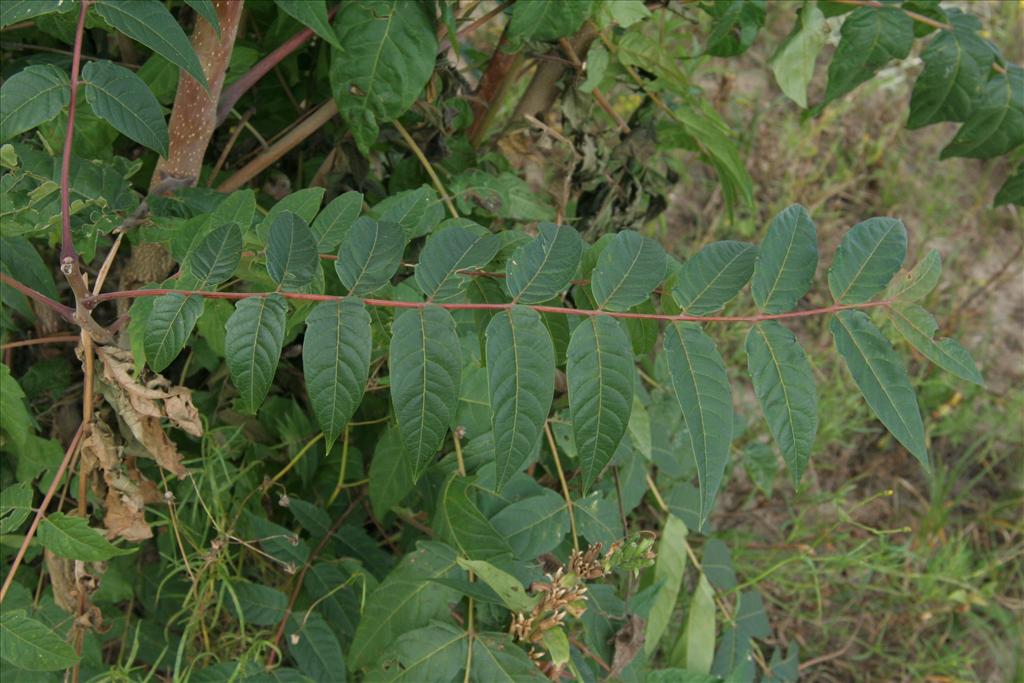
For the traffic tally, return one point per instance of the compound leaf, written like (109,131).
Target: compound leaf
(452,249)
(405,600)
(786,261)
(520,372)
(881,377)
(869,255)
(291,252)
(30,97)
(542,268)
(170,323)
(918,327)
(784,384)
(255,333)
(870,37)
(996,122)
(122,99)
(369,255)
(426,372)
(627,271)
(336,362)
(152,24)
(714,276)
(702,388)
(600,374)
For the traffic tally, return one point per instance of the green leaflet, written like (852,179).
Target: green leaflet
(786,261)
(336,362)
(73,538)
(496,658)
(996,122)
(459,246)
(459,521)
(793,62)
(291,252)
(312,14)
(751,620)
(520,373)
(30,97)
(869,255)
(668,570)
(598,519)
(702,388)
(426,372)
(122,99)
(387,54)
(430,653)
(417,211)
(870,37)
(918,327)
(714,276)
(333,223)
(600,374)
(542,268)
(168,328)
(546,20)
(406,600)
(784,384)
(507,587)
(15,11)
(881,378)
(717,565)
(260,605)
(955,65)
(216,257)
(255,333)
(239,208)
(920,281)
(315,648)
(15,502)
(152,24)
(304,203)
(627,271)
(699,636)
(369,255)
(391,474)
(17,421)
(734,25)
(206,10)
(28,644)
(1012,191)
(533,525)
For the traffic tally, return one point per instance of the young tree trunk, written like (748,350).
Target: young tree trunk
(194,115)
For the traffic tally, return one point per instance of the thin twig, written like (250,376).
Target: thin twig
(474,25)
(56,339)
(41,511)
(65,312)
(427,167)
(564,483)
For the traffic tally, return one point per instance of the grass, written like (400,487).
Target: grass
(878,570)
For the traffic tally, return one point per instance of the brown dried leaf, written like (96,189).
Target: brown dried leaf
(629,641)
(125,517)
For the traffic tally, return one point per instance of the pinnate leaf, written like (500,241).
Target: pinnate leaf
(542,268)
(152,24)
(170,323)
(291,252)
(123,100)
(919,327)
(784,384)
(520,371)
(786,261)
(73,538)
(336,362)
(996,122)
(255,333)
(29,644)
(870,37)
(881,377)
(407,599)
(457,247)
(869,255)
(600,373)
(627,271)
(216,257)
(30,97)
(369,255)
(426,373)
(701,386)
(714,276)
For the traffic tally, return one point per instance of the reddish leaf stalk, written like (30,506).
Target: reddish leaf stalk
(68,255)
(65,312)
(387,303)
